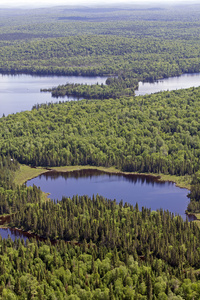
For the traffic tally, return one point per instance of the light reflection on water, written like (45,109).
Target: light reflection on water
(21,92)
(145,190)
(172,83)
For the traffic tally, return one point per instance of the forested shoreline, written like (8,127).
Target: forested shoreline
(155,133)
(101,249)
(133,46)
(97,271)
(116,251)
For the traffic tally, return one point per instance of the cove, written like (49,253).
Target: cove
(147,191)
(20,92)
(172,83)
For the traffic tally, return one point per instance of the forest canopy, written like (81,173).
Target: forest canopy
(153,133)
(94,248)
(133,44)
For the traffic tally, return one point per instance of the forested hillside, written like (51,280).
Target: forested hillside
(155,133)
(115,252)
(96,248)
(130,43)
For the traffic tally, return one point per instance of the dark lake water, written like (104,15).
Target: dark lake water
(172,83)
(145,190)
(21,92)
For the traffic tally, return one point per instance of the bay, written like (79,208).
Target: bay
(169,84)
(21,92)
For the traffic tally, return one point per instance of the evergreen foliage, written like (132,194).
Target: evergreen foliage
(101,250)
(122,253)
(154,133)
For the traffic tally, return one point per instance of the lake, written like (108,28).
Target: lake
(172,83)
(147,191)
(20,92)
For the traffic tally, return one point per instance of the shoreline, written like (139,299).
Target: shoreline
(28,173)
(28,234)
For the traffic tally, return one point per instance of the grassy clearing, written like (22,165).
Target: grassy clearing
(76,168)
(181,181)
(197,215)
(197,222)
(25,173)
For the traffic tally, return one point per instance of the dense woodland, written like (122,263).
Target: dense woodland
(132,44)
(156,256)
(96,248)
(156,133)
(116,251)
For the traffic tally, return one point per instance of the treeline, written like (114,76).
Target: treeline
(15,198)
(8,166)
(169,22)
(154,133)
(121,253)
(194,195)
(146,59)
(115,226)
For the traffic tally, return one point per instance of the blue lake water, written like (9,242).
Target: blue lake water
(20,92)
(141,189)
(168,84)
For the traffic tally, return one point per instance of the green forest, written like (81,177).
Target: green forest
(96,248)
(130,44)
(156,133)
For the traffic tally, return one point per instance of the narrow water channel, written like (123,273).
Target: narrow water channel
(13,233)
